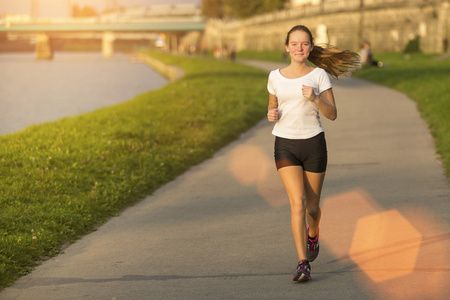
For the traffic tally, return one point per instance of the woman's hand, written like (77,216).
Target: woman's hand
(324,101)
(272,115)
(308,93)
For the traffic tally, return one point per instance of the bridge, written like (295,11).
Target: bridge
(45,30)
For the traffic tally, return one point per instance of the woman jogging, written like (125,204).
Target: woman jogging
(297,94)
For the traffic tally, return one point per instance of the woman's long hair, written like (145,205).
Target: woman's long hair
(335,62)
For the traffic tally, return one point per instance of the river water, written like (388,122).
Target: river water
(34,91)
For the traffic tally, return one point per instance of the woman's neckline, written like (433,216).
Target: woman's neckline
(279,71)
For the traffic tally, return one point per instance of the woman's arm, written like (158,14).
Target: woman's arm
(325,101)
(272,110)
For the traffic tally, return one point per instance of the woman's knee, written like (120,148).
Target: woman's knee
(298,206)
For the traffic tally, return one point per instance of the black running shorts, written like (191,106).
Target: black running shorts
(310,154)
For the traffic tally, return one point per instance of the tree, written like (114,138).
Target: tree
(75,11)
(84,12)
(213,8)
(238,8)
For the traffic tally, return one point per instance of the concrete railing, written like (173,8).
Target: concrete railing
(170,72)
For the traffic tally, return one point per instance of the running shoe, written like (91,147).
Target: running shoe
(312,246)
(303,271)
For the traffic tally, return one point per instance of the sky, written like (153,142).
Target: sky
(61,8)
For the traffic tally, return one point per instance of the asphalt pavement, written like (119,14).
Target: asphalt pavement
(222,229)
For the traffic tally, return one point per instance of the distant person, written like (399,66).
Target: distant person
(217,52)
(367,56)
(233,53)
(297,93)
(224,52)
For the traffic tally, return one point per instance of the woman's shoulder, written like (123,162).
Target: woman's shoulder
(275,72)
(275,75)
(319,73)
(322,78)
(319,70)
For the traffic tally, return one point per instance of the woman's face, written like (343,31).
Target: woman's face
(299,46)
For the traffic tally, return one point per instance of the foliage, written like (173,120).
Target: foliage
(413,45)
(60,180)
(239,9)
(213,8)
(245,9)
(83,12)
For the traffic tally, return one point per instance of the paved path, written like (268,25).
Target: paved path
(222,229)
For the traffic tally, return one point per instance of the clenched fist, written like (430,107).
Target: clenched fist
(308,93)
(272,115)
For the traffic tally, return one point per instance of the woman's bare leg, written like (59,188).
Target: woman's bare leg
(313,183)
(292,177)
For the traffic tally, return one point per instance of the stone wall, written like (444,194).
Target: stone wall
(387,24)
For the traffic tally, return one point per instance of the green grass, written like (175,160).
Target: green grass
(424,78)
(60,180)
(275,56)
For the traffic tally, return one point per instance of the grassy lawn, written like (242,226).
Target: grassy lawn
(424,78)
(276,56)
(61,180)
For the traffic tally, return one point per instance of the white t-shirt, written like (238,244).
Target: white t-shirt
(298,117)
